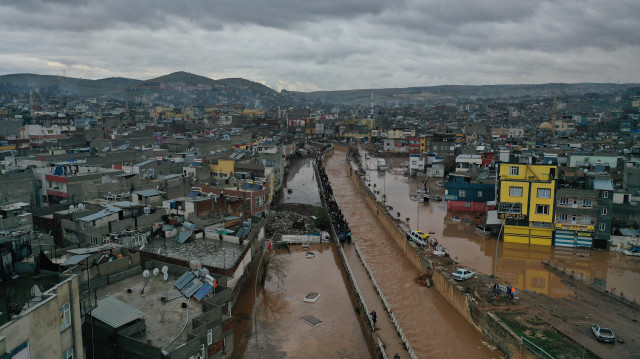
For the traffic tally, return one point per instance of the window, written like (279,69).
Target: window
(586,219)
(64,313)
(564,201)
(602,226)
(514,170)
(603,212)
(515,191)
(467,204)
(586,202)
(479,194)
(68,354)
(544,192)
(462,193)
(562,217)
(93,239)
(542,209)
(209,336)
(605,194)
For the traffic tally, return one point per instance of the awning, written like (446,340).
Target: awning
(75,259)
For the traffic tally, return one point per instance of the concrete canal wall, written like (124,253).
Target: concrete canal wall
(488,323)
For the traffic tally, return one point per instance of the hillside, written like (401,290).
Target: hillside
(181,77)
(446,92)
(60,85)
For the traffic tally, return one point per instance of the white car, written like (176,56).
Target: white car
(603,334)
(462,274)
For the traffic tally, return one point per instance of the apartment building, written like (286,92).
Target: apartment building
(526,200)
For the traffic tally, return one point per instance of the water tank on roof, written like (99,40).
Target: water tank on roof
(189,225)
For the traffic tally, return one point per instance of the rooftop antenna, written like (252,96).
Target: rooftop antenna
(146,275)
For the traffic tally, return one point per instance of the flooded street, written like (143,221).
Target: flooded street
(277,330)
(519,264)
(301,183)
(434,327)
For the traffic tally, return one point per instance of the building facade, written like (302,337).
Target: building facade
(526,196)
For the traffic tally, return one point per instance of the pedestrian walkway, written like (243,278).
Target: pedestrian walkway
(385,329)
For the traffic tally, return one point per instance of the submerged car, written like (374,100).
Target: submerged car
(462,274)
(603,334)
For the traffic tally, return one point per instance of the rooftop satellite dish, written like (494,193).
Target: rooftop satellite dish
(165,269)
(156,271)
(145,273)
(71,208)
(166,276)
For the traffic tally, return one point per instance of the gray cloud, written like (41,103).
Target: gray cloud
(309,45)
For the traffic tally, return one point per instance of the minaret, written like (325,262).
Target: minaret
(32,104)
(371,114)
(554,115)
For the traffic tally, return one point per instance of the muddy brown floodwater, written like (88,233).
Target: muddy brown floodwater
(278,332)
(518,264)
(434,328)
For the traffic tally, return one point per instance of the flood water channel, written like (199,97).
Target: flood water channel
(434,328)
(275,329)
(519,264)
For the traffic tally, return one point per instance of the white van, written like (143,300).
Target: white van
(482,229)
(419,237)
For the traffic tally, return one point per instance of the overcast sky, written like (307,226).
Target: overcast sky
(327,44)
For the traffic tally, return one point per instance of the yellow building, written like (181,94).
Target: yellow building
(526,195)
(423,145)
(222,169)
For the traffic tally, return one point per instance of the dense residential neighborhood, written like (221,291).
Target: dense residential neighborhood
(171,189)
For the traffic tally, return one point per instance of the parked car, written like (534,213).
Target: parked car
(419,237)
(462,274)
(456,219)
(603,334)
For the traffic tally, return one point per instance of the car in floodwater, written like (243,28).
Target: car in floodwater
(462,274)
(603,334)
(419,237)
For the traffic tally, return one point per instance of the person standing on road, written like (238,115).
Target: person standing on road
(508,289)
(396,356)
(496,290)
(374,319)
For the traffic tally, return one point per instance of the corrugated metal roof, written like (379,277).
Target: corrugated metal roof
(75,259)
(144,163)
(94,249)
(602,184)
(149,192)
(115,313)
(175,175)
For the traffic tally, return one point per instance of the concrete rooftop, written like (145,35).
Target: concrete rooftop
(164,320)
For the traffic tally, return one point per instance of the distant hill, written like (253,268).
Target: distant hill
(445,92)
(235,89)
(242,83)
(181,77)
(49,84)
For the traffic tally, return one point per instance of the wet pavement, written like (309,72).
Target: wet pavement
(519,264)
(434,328)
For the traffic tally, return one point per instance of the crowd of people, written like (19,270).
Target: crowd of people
(338,221)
